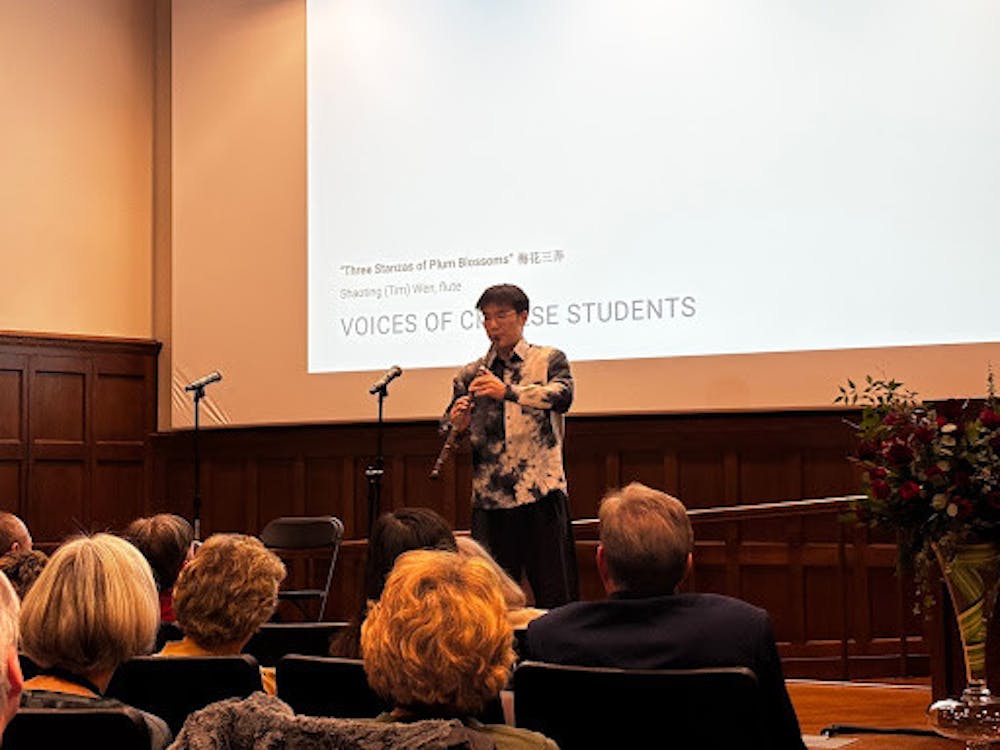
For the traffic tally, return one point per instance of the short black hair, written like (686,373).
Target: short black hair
(504,295)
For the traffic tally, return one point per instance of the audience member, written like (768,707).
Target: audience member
(167,542)
(93,607)
(222,597)
(645,551)
(437,644)
(392,534)
(22,567)
(11,680)
(519,614)
(14,534)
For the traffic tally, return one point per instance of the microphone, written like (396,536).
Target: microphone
(212,377)
(391,374)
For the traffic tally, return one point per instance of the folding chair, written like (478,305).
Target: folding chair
(122,728)
(172,687)
(311,536)
(588,707)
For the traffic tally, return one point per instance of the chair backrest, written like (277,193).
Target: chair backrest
(121,728)
(174,686)
(277,639)
(306,534)
(327,686)
(587,707)
(303,532)
(28,668)
(332,686)
(168,631)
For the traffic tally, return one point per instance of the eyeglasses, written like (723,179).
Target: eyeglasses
(500,317)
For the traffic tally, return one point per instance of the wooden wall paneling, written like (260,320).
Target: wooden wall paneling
(13,432)
(61,456)
(117,495)
(825,472)
(645,466)
(770,475)
(224,498)
(124,398)
(75,413)
(323,486)
(701,479)
(280,489)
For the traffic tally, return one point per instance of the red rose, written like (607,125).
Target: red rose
(933,471)
(964,507)
(909,490)
(893,418)
(953,410)
(877,472)
(924,433)
(867,450)
(990,419)
(898,453)
(880,489)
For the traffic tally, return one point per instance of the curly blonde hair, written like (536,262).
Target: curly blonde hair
(227,590)
(438,640)
(93,607)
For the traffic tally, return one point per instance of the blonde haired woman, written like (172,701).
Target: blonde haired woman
(437,644)
(93,607)
(223,595)
(519,614)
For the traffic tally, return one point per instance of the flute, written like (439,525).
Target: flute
(453,434)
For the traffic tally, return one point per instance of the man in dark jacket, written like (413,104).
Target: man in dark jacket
(643,556)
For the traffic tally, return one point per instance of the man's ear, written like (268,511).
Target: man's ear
(602,569)
(15,684)
(688,565)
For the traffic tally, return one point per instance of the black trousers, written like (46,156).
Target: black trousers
(535,539)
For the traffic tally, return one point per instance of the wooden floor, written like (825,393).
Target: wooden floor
(820,704)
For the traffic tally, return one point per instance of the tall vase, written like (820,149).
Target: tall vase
(972,576)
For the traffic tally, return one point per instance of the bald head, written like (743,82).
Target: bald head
(14,534)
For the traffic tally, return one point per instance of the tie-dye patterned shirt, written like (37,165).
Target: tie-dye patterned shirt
(517,443)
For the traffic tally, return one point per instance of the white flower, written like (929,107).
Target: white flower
(950,427)
(944,465)
(948,440)
(952,510)
(939,501)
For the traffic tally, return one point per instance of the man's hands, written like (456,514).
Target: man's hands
(484,384)
(489,385)
(461,413)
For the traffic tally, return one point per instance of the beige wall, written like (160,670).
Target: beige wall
(80,207)
(239,262)
(76,155)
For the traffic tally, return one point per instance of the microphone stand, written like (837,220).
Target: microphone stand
(199,394)
(376,469)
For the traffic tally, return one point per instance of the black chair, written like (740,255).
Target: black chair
(121,728)
(308,536)
(277,639)
(588,707)
(332,686)
(174,686)
(168,631)
(327,686)
(28,668)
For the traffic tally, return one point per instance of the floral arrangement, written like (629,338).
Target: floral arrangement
(930,472)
